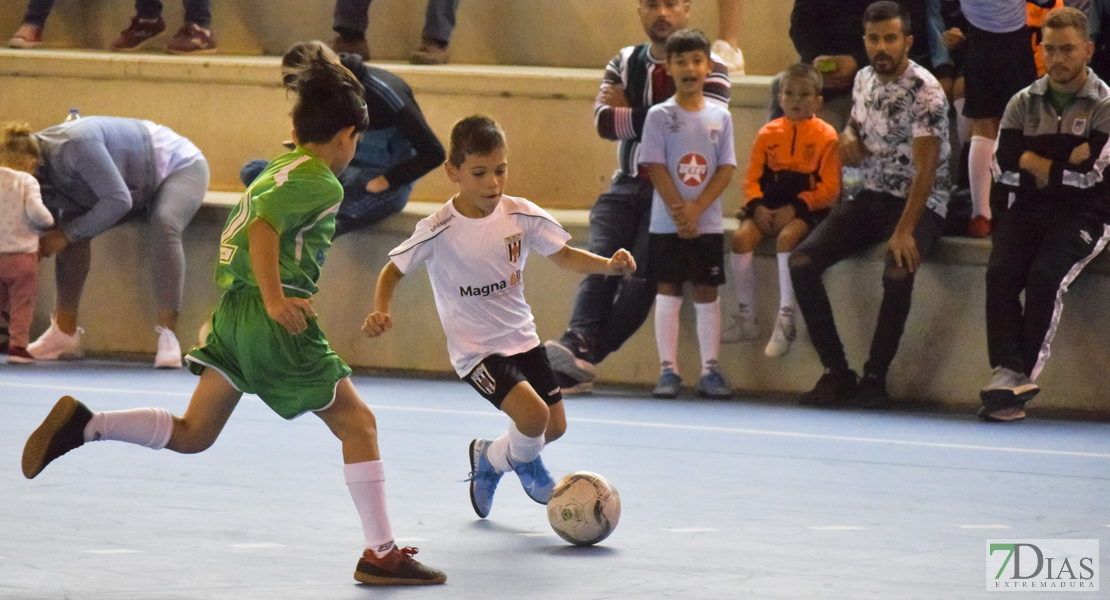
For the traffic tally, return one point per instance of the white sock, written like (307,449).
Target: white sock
(979,174)
(523,449)
(743,282)
(150,427)
(963,125)
(498,454)
(666,329)
(366,482)
(709,332)
(786,288)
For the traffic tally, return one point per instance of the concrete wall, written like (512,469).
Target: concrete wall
(563,33)
(942,358)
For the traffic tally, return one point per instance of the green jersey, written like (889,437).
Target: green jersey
(298,196)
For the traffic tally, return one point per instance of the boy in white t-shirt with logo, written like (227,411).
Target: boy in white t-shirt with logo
(687,148)
(475,248)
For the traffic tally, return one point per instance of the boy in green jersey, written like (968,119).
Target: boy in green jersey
(264,337)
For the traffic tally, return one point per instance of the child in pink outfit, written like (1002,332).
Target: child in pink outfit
(22,216)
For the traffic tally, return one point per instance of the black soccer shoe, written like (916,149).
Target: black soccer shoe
(62,431)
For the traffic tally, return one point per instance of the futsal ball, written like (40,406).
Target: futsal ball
(584,508)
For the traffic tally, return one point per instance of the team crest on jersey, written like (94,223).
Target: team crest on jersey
(692,169)
(512,245)
(483,379)
(1079,125)
(676,122)
(714,134)
(809,153)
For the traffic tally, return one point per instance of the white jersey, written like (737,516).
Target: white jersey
(476,268)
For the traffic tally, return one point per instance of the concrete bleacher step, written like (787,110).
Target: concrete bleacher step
(234,109)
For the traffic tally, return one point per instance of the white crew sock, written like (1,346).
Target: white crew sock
(666,329)
(979,174)
(498,454)
(786,287)
(523,449)
(709,332)
(150,427)
(743,282)
(366,482)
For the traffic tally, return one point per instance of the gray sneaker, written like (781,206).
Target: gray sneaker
(1007,388)
(714,385)
(1003,415)
(669,384)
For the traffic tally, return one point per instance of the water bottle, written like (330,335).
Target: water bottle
(852,182)
(72,116)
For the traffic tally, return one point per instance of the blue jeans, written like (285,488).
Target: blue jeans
(609,309)
(377,150)
(351,18)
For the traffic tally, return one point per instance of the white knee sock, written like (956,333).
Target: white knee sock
(666,329)
(709,332)
(786,288)
(979,174)
(743,282)
(366,482)
(498,454)
(523,449)
(150,427)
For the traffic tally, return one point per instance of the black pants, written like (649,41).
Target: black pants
(1038,248)
(850,227)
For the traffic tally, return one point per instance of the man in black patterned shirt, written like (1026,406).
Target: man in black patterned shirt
(898,136)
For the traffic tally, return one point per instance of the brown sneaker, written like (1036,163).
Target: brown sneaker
(192,39)
(19,355)
(61,431)
(27,36)
(430,53)
(351,46)
(138,34)
(396,568)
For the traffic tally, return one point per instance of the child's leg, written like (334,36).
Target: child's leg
(353,423)
(789,238)
(18,293)
(527,434)
(668,303)
(744,241)
(70,424)
(383,563)
(708,313)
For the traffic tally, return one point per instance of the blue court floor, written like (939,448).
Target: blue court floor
(739,499)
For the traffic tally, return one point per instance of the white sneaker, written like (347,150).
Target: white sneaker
(783,335)
(732,57)
(54,344)
(169,350)
(743,327)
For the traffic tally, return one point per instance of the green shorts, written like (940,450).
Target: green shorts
(292,374)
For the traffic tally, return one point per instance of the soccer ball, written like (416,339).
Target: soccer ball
(584,508)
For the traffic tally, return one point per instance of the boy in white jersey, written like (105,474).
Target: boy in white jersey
(475,248)
(687,148)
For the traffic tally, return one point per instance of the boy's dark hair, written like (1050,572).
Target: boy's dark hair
(329,97)
(803,71)
(476,134)
(16,142)
(687,40)
(1066,16)
(885,11)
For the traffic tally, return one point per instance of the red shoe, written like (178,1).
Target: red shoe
(192,39)
(27,36)
(138,34)
(396,568)
(19,355)
(979,227)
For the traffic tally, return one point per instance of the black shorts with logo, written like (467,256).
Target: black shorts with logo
(497,375)
(700,260)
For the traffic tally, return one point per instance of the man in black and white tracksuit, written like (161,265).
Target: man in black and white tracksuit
(1049,177)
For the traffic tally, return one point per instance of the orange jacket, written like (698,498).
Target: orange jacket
(794,161)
